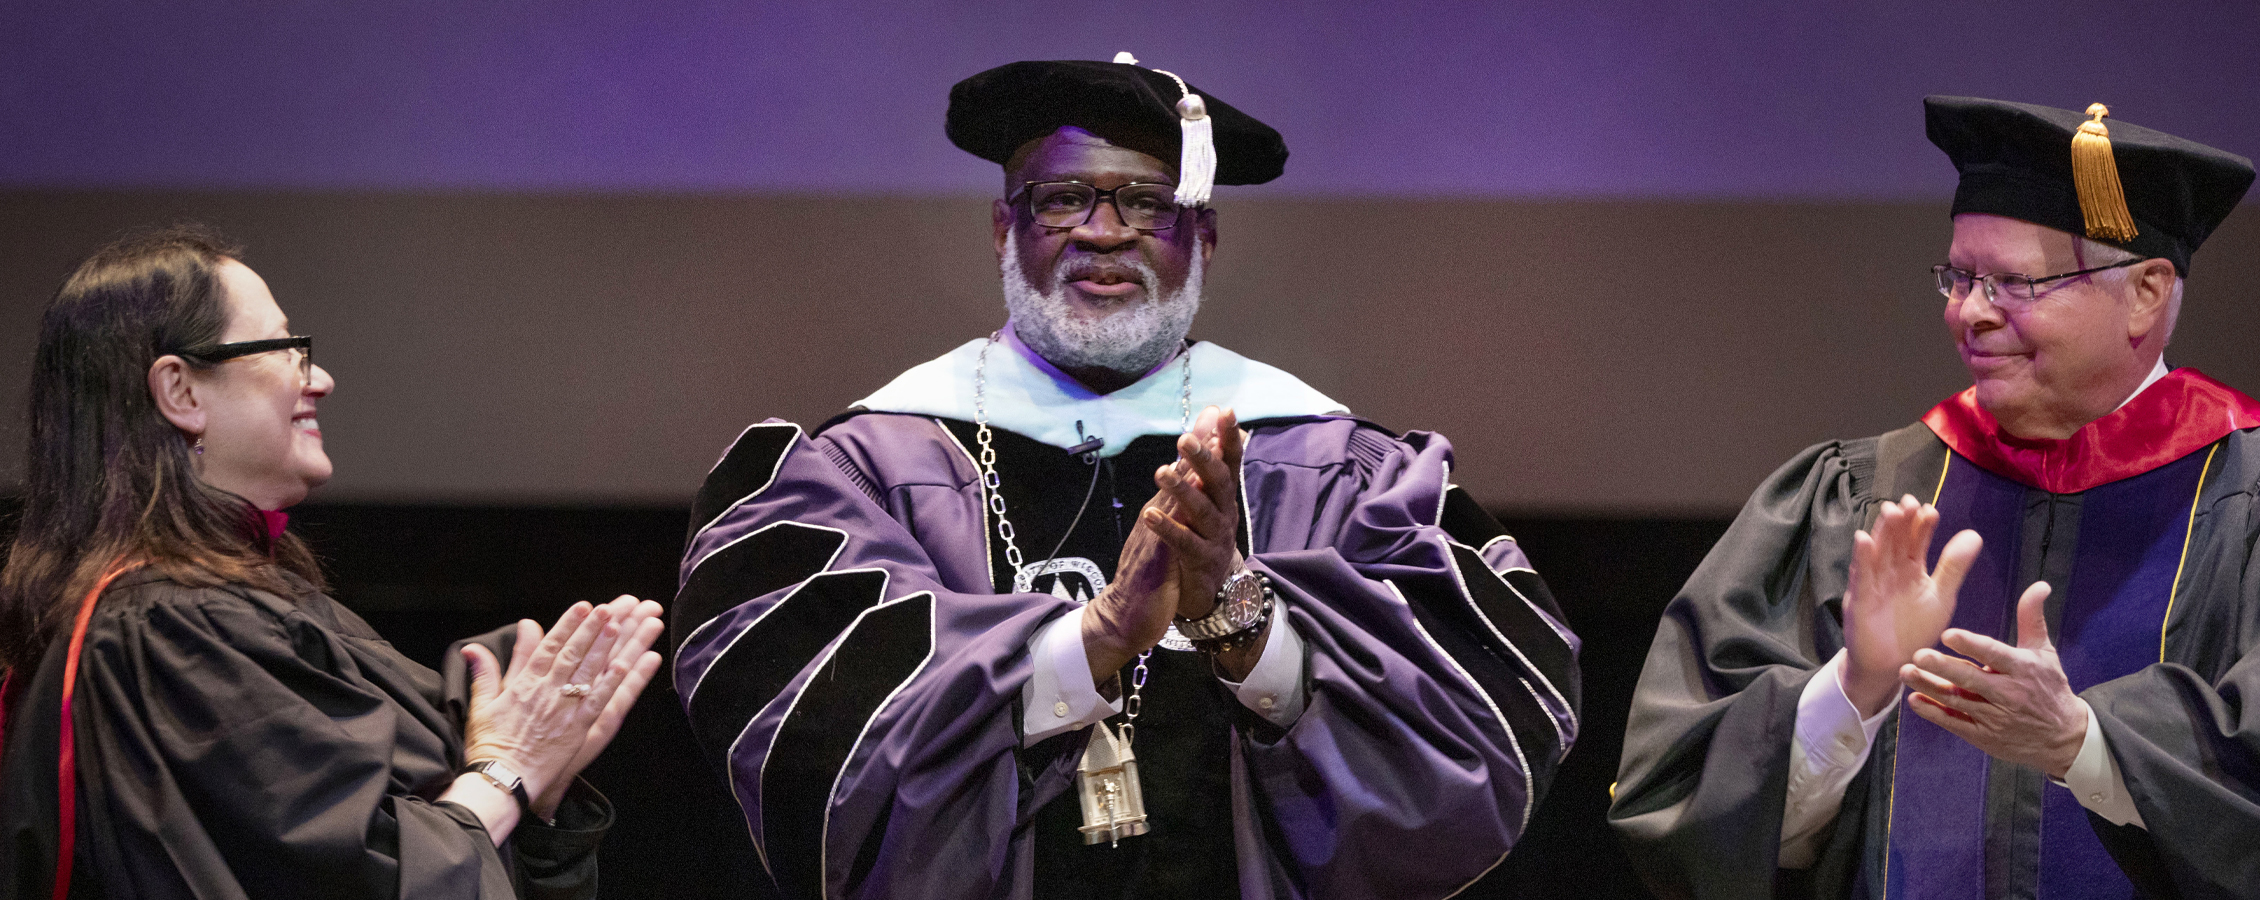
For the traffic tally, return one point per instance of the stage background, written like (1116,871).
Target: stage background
(1628,255)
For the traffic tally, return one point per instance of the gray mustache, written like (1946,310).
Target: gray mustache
(1078,269)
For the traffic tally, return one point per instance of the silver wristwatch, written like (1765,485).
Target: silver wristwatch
(499,774)
(1241,604)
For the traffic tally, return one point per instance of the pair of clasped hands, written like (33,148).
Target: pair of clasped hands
(2012,702)
(1178,555)
(556,706)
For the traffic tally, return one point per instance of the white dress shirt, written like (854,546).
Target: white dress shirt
(1061,697)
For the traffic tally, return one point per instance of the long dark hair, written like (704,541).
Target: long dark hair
(107,478)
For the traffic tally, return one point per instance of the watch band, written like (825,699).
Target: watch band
(1238,639)
(506,780)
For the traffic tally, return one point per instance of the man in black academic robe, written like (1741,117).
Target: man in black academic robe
(2091,519)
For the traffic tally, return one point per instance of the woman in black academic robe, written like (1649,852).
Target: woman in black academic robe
(232,731)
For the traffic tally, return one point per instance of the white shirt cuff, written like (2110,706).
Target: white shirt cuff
(2095,778)
(1274,689)
(1060,696)
(1830,745)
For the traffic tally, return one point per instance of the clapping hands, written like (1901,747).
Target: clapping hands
(564,694)
(1198,513)
(1184,545)
(1894,604)
(2014,703)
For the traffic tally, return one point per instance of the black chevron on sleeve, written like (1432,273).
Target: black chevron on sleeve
(882,651)
(745,470)
(766,561)
(761,660)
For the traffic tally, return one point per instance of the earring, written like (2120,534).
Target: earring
(199,447)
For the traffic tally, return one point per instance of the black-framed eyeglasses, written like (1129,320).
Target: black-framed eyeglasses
(2007,289)
(1069,204)
(220,353)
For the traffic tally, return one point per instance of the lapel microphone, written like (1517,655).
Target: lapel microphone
(1088,446)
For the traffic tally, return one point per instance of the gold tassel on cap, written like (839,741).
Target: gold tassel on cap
(2103,203)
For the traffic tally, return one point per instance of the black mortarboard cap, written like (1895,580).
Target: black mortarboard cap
(993,113)
(2017,160)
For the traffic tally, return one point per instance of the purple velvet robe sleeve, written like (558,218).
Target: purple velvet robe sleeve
(905,784)
(841,653)
(1443,686)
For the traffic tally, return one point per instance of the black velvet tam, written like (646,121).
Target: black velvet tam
(2016,160)
(993,113)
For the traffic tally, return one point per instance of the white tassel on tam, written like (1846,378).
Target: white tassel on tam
(1196,162)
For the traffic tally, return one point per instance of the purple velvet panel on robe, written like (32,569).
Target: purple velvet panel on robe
(1409,774)
(2130,541)
(1938,780)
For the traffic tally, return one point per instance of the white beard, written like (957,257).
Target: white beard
(1129,341)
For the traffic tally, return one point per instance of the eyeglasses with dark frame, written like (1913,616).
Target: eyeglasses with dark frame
(1145,206)
(220,353)
(2020,290)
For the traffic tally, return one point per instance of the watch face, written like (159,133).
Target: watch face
(500,772)
(1244,613)
(1239,606)
(1243,599)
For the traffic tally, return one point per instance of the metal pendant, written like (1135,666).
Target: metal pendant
(1107,782)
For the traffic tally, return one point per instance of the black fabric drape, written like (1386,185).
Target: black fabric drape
(232,743)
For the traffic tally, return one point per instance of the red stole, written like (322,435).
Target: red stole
(2174,417)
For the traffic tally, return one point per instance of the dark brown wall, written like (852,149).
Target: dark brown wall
(1586,357)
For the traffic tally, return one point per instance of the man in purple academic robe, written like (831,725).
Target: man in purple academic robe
(2090,515)
(906,635)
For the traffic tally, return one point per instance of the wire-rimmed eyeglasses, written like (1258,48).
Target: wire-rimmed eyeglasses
(2007,289)
(1069,204)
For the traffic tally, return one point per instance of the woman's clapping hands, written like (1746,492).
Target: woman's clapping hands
(564,694)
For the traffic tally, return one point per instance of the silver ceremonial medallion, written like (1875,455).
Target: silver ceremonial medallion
(1171,640)
(1067,577)
(1078,579)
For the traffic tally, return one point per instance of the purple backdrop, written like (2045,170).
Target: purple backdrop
(1736,98)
